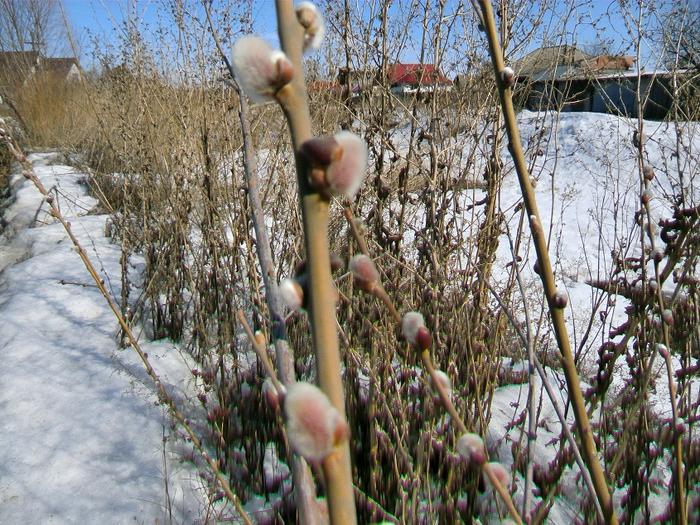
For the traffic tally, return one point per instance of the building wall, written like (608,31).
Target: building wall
(616,96)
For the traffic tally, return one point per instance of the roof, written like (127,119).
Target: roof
(600,62)
(14,58)
(17,66)
(548,58)
(60,67)
(568,63)
(415,74)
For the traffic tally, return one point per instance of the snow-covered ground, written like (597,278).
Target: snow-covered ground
(83,437)
(82,433)
(588,190)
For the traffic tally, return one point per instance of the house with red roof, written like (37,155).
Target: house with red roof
(409,78)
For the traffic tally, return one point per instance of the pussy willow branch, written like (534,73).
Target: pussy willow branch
(532,406)
(679,492)
(304,491)
(261,353)
(381,294)
(164,395)
(552,397)
(452,411)
(585,433)
(379,290)
(314,207)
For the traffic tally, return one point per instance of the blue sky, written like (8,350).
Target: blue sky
(99,17)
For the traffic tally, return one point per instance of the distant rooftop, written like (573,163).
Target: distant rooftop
(21,64)
(414,74)
(569,62)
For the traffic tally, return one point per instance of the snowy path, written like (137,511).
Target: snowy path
(82,440)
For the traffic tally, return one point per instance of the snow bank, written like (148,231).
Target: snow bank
(82,437)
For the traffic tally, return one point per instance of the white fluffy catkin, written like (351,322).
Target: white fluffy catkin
(314,426)
(259,68)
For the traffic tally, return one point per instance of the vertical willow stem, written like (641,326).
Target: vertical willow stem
(304,490)
(585,434)
(321,307)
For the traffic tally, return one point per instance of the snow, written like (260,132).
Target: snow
(588,191)
(83,437)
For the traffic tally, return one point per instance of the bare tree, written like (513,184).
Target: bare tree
(32,25)
(682,34)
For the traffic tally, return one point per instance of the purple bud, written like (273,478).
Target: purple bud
(680,426)
(500,472)
(270,393)
(423,339)
(415,332)
(321,151)
(653,286)
(508,76)
(663,351)
(560,300)
(364,271)
(444,381)
(667,317)
(259,68)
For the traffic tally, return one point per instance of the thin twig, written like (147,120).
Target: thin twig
(551,393)
(679,492)
(449,406)
(84,285)
(359,238)
(532,407)
(261,353)
(379,291)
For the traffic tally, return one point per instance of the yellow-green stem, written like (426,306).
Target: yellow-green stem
(585,434)
(322,297)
